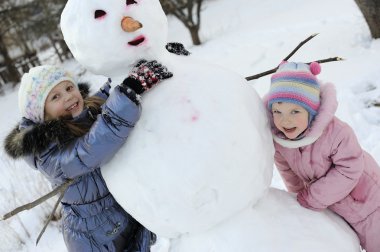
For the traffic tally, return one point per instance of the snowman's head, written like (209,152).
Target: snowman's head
(110,36)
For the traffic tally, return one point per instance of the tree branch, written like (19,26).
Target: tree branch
(61,188)
(273,70)
(176,11)
(327,60)
(199,7)
(299,46)
(51,215)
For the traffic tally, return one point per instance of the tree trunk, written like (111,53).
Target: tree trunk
(188,12)
(14,75)
(52,41)
(371,13)
(195,35)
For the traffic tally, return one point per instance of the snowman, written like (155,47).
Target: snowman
(198,165)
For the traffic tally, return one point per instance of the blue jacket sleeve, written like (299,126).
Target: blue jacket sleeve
(104,91)
(105,138)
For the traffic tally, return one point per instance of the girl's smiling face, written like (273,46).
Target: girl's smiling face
(291,119)
(63,100)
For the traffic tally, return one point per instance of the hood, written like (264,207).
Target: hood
(326,113)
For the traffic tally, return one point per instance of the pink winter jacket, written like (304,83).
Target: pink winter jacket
(330,164)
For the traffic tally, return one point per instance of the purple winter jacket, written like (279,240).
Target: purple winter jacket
(92,219)
(330,164)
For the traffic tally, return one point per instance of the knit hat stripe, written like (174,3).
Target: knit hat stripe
(297,77)
(291,97)
(312,99)
(311,111)
(300,96)
(301,74)
(304,81)
(296,87)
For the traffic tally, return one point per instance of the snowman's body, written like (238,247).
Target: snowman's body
(186,181)
(201,154)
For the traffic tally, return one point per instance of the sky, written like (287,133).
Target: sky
(248,37)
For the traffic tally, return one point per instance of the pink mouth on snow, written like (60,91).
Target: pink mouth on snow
(137,41)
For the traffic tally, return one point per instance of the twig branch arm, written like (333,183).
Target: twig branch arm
(328,60)
(30,205)
(51,215)
(253,77)
(299,46)
(257,76)
(273,70)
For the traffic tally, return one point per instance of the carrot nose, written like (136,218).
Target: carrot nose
(128,24)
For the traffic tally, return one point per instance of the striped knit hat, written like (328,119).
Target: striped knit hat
(296,83)
(35,87)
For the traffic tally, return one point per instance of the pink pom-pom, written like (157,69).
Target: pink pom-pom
(315,68)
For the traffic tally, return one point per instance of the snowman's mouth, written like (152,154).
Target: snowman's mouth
(137,41)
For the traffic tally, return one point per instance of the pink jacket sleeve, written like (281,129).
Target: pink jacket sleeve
(292,182)
(348,165)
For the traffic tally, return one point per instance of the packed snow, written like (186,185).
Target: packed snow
(176,174)
(253,37)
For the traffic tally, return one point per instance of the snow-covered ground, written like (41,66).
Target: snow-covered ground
(247,36)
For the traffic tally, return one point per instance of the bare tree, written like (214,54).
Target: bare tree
(6,25)
(51,16)
(23,22)
(371,12)
(188,12)
(13,75)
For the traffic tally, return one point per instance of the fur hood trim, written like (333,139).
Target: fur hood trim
(36,138)
(325,115)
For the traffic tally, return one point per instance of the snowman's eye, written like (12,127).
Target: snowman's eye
(99,14)
(131,2)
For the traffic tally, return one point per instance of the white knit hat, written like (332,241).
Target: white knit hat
(35,87)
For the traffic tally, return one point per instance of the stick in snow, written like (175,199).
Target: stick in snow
(50,217)
(38,201)
(60,189)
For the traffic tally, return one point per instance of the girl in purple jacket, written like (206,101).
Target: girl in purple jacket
(67,135)
(318,155)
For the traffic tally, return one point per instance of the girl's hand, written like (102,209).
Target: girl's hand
(146,74)
(177,48)
(301,198)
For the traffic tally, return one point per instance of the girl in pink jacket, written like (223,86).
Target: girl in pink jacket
(318,155)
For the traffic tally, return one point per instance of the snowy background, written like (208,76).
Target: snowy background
(249,37)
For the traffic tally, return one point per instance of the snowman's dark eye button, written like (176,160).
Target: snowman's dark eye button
(131,2)
(99,14)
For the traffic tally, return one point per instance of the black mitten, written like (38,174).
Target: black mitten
(130,93)
(146,74)
(177,48)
